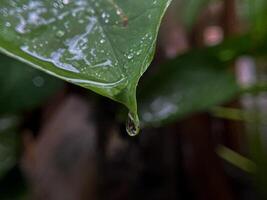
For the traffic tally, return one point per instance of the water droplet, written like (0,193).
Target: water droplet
(130,56)
(55,5)
(132,125)
(81,21)
(103,15)
(60,33)
(8,24)
(102,41)
(118,12)
(139,52)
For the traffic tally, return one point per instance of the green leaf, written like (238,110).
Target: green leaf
(236,159)
(191,83)
(23,88)
(102,45)
(255,11)
(8,144)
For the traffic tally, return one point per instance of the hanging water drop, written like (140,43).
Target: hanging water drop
(132,125)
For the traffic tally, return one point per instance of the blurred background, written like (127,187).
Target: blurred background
(203,106)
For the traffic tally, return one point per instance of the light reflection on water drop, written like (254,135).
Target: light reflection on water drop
(132,125)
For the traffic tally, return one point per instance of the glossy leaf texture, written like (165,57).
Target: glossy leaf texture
(102,45)
(191,83)
(23,88)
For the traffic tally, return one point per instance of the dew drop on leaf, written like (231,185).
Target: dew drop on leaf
(8,24)
(60,33)
(130,56)
(139,52)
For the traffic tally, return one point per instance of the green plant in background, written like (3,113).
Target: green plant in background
(7,144)
(22,87)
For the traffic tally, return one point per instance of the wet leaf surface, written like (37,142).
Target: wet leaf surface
(103,45)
